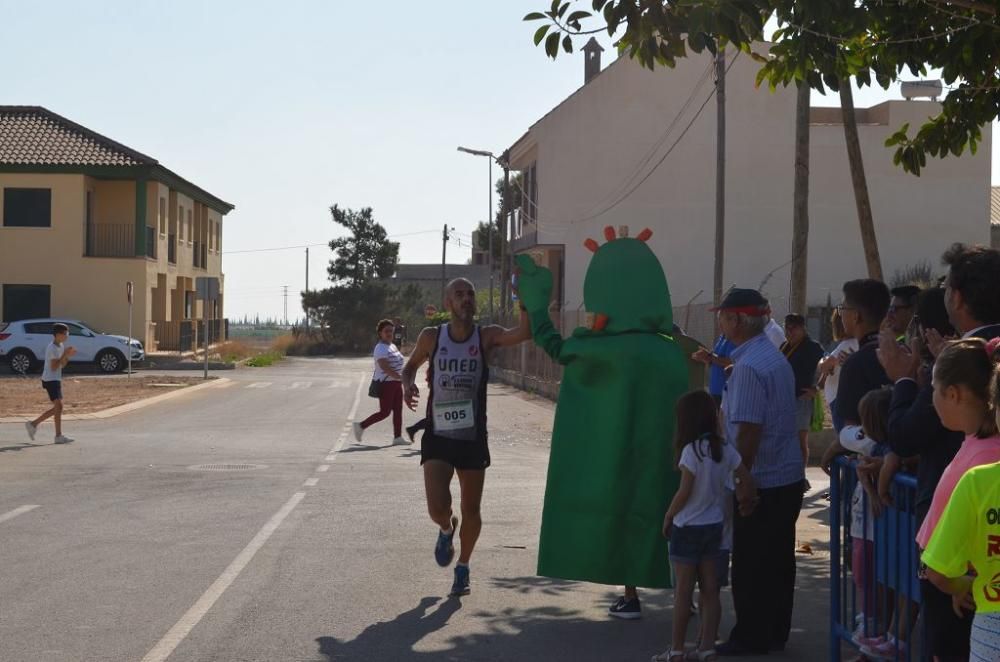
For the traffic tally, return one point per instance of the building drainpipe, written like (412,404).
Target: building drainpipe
(140,217)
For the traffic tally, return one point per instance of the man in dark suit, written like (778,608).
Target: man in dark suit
(972,299)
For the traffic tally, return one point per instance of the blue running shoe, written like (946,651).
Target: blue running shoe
(461,585)
(444,551)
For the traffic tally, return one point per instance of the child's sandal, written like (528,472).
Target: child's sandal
(707,656)
(669,656)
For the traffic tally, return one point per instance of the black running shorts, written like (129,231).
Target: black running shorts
(54,389)
(458,453)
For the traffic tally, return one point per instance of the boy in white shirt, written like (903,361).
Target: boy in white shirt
(56,358)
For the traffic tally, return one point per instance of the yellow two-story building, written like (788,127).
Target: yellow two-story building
(82,215)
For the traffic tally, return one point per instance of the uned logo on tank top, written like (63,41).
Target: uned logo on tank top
(459,366)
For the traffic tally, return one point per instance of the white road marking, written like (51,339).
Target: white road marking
(259,385)
(193,616)
(310,482)
(339,383)
(330,458)
(322,468)
(357,402)
(225,384)
(189,620)
(296,385)
(17,511)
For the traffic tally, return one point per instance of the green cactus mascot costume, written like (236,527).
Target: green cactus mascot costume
(611,467)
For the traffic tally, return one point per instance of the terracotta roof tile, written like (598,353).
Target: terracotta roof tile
(31,135)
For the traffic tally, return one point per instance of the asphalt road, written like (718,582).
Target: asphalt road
(122,547)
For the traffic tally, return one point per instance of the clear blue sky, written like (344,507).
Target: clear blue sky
(286,108)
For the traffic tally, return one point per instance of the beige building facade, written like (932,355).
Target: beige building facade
(591,162)
(82,215)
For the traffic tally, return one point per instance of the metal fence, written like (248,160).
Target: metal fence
(181,335)
(887,569)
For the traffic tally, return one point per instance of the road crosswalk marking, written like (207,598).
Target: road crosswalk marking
(17,511)
(301,386)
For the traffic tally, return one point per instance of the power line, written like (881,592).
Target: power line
(662,158)
(290,248)
(276,248)
(648,157)
(947,32)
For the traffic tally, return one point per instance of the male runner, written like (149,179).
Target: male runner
(456,440)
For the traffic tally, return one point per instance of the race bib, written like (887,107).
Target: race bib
(453,415)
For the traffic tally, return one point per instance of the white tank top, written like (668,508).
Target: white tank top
(457,403)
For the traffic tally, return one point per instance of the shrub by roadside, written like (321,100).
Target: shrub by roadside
(303,345)
(233,351)
(264,359)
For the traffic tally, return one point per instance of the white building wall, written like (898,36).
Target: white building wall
(916,218)
(589,146)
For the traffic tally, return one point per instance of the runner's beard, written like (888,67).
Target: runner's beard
(465,314)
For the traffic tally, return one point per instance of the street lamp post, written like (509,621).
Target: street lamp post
(489,215)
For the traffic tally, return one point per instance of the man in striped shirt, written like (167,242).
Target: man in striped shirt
(759,407)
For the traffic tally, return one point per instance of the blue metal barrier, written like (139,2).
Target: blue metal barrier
(890,573)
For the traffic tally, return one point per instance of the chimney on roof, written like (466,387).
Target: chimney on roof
(592,60)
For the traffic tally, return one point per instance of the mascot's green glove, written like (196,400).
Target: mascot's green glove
(534,285)
(534,288)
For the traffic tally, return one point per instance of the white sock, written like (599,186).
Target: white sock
(450,530)
(462,565)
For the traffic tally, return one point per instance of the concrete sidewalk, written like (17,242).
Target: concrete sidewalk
(547,612)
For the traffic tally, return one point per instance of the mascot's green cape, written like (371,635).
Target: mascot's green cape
(611,468)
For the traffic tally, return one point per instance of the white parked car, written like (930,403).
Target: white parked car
(23,345)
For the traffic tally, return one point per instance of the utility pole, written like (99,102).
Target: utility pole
(306,311)
(444,253)
(285,287)
(489,233)
(800,218)
(502,234)
(720,175)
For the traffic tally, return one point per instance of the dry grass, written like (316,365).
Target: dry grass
(232,351)
(21,396)
(282,344)
(302,345)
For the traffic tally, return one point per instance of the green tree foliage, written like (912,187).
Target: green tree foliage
(349,311)
(349,315)
(365,253)
(510,201)
(822,42)
(482,237)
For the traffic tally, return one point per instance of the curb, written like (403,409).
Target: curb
(131,406)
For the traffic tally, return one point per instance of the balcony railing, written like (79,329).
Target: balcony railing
(111,240)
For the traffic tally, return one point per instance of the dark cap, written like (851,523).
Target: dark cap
(749,302)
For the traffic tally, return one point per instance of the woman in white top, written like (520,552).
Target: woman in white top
(388,368)
(829,367)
